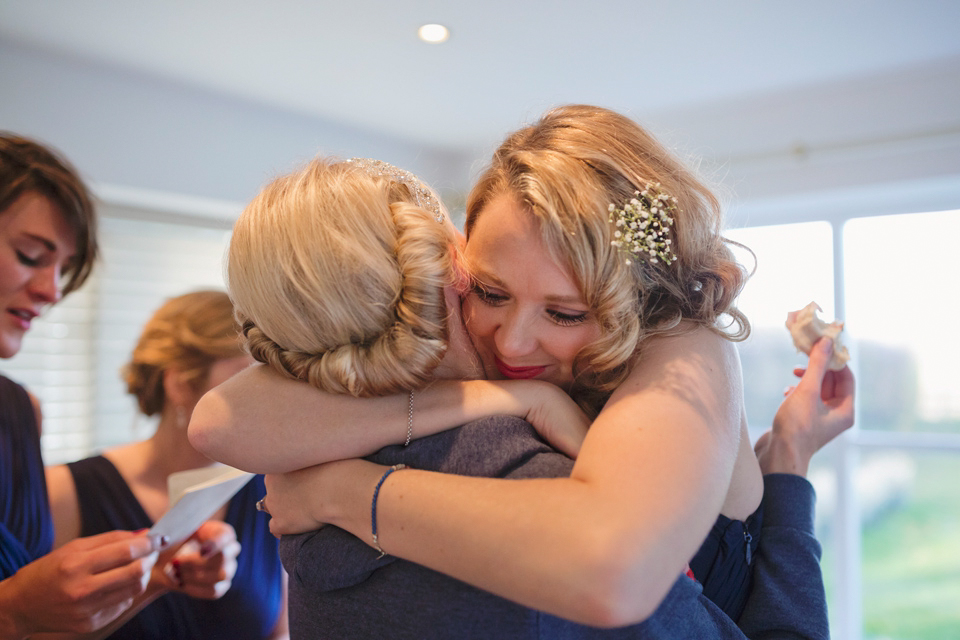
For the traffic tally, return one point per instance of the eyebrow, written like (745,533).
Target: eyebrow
(69,262)
(46,242)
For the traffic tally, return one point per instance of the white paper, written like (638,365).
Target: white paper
(196,495)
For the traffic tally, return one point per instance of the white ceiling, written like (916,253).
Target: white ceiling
(358,62)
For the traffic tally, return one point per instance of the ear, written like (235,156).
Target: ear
(176,390)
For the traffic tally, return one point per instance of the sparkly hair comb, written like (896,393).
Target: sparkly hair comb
(642,225)
(424,196)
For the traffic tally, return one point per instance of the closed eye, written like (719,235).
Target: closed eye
(486,296)
(567,319)
(27,260)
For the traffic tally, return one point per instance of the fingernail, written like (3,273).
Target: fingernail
(826,344)
(172,574)
(159,542)
(206,549)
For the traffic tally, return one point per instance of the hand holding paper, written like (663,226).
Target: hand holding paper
(195,496)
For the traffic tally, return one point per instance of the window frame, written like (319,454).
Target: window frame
(837,208)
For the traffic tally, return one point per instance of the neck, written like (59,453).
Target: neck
(169,450)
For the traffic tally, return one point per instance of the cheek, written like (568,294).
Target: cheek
(11,277)
(476,317)
(572,342)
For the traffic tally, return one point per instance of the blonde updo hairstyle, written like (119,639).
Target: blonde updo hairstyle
(188,333)
(566,169)
(337,276)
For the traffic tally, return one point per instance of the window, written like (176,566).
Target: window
(887,511)
(71,358)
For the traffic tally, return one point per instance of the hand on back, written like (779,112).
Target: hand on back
(558,419)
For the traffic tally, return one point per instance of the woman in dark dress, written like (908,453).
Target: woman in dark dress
(190,345)
(47,248)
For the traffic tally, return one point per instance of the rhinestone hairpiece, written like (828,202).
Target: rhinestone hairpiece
(423,195)
(642,225)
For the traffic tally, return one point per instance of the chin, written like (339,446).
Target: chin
(8,350)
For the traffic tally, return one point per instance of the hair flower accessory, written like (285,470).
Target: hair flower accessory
(642,225)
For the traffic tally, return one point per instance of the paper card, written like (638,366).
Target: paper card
(196,495)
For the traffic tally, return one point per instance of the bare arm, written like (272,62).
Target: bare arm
(64,505)
(262,422)
(602,547)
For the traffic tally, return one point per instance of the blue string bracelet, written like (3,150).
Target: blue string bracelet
(373,506)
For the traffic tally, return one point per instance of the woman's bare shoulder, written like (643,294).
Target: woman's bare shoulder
(696,350)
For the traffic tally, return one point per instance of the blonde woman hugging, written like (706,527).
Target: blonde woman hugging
(635,326)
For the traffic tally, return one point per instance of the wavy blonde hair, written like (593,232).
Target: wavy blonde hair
(188,333)
(566,169)
(337,276)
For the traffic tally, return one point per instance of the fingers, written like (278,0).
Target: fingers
(196,570)
(124,581)
(842,401)
(762,442)
(214,536)
(844,383)
(819,361)
(203,576)
(140,544)
(116,549)
(275,529)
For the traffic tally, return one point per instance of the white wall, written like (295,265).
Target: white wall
(875,145)
(885,144)
(146,135)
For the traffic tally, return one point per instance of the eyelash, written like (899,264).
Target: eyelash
(558,317)
(27,260)
(486,297)
(566,319)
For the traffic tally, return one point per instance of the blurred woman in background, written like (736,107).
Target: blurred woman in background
(189,346)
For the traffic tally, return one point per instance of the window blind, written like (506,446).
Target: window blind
(71,358)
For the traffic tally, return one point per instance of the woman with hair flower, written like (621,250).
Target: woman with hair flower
(638,343)
(188,346)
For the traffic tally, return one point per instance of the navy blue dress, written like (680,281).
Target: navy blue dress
(250,608)
(723,563)
(26,528)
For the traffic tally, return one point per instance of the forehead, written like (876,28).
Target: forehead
(35,217)
(506,245)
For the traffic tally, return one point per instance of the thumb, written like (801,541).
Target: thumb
(213,536)
(820,357)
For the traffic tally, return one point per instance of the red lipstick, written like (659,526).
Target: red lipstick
(518,373)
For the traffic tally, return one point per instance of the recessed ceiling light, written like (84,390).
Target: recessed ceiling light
(434,33)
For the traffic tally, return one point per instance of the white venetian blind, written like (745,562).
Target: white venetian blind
(71,358)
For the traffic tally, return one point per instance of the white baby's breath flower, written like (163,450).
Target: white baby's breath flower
(645,223)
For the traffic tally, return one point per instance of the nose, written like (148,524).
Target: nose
(514,336)
(45,284)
